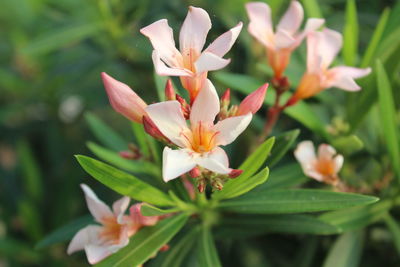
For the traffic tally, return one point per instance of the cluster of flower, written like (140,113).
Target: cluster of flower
(213,122)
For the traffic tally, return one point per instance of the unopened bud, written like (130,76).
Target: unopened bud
(217,184)
(164,248)
(235,173)
(226,98)
(169,90)
(127,155)
(201,185)
(253,102)
(152,130)
(195,172)
(184,106)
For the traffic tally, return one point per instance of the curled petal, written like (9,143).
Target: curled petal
(312,24)
(216,160)
(343,77)
(209,61)
(260,26)
(97,208)
(85,236)
(163,70)
(168,117)
(230,128)
(224,43)
(326,152)
(194,30)
(96,253)
(119,207)
(253,102)
(292,18)
(123,99)
(206,106)
(177,162)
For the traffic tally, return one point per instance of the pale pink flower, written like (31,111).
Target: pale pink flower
(189,62)
(199,143)
(322,48)
(323,167)
(281,42)
(114,228)
(123,99)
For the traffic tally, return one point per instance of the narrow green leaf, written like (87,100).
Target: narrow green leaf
(135,166)
(348,144)
(145,243)
(123,183)
(294,201)
(346,251)
(388,117)
(232,190)
(350,34)
(141,138)
(357,217)
(65,232)
(208,255)
(394,228)
(284,177)
(149,210)
(256,160)
(105,134)
(160,82)
(312,8)
(376,39)
(282,145)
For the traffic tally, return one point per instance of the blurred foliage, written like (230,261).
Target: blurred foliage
(51,55)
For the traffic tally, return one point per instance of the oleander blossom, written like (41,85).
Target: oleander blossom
(324,166)
(280,43)
(113,230)
(189,62)
(198,144)
(322,48)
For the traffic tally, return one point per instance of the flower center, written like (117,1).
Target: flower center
(203,138)
(189,58)
(111,230)
(325,167)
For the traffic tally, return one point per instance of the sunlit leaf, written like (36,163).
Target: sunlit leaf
(350,34)
(149,210)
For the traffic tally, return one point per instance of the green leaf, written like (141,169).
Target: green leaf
(350,34)
(357,217)
(376,39)
(294,201)
(160,82)
(65,232)
(145,243)
(135,166)
(282,145)
(346,251)
(388,117)
(284,177)
(208,255)
(149,210)
(105,134)
(141,139)
(348,144)
(123,183)
(285,223)
(232,190)
(312,8)
(394,228)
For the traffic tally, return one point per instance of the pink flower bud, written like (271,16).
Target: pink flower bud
(253,102)
(127,155)
(235,173)
(226,98)
(123,99)
(184,106)
(195,172)
(169,90)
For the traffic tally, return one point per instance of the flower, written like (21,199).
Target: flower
(324,167)
(123,99)
(199,143)
(322,48)
(100,241)
(286,38)
(190,63)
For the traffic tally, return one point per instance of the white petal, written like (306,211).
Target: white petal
(283,39)
(163,70)
(314,60)
(312,173)
(338,162)
(83,237)
(120,206)
(342,77)
(96,253)
(305,153)
(260,26)
(230,128)
(96,207)
(292,18)
(177,162)
(206,106)
(329,44)
(194,30)
(224,43)
(311,25)
(162,39)
(216,160)
(168,117)
(326,152)
(209,61)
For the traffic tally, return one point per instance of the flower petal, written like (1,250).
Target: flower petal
(119,208)
(312,24)
(284,40)
(163,70)
(329,44)
(209,61)
(168,117)
(313,58)
(176,163)
(342,77)
(305,153)
(123,99)
(326,152)
(253,102)
(206,105)
(83,237)
(224,42)
(162,39)
(291,20)
(216,160)
(96,253)
(97,208)
(230,128)
(194,30)
(260,26)
(338,160)
(138,218)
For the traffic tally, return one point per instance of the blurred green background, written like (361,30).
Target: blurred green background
(51,54)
